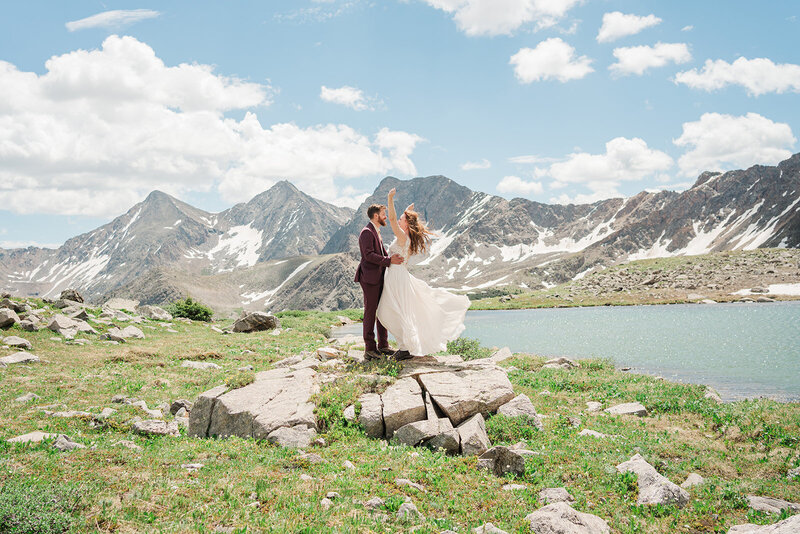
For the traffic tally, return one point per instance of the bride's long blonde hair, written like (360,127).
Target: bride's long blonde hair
(419,237)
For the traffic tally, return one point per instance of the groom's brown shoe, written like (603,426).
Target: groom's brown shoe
(386,351)
(372,355)
(401,355)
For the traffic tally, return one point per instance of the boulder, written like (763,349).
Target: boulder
(408,512)
(521,406)
(692,480)
(771,505)
(296,437)
(19,357)
(502,460)
(13,305)
(71,294)
(156,427)
(63,325)
(18,342)
(330,353)
(255,321)
(8,317)
(488,528)
(402,404)
(27,397)
(654,488)
(551,495)
(593,406)
(560,363)
(29,326)
(415,433)
(349,414)
(462,394)
(32,437)
(628,408)
(472,434)
(154,312)
(787,526)
(371,416)
(199,365)
(121,304)
(180,404)
(63,443)
(132,331)
(561,518)
(449,441)
(277,398)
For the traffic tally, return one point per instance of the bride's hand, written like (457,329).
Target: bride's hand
(392,192)
(410,207)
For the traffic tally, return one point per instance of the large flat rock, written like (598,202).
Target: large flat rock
(561,518)
(277,398)
(654,488)
(402,404)
(462,394)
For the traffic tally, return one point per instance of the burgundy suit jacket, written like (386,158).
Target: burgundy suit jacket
(374,258)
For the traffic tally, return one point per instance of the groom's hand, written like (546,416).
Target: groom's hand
(396,259)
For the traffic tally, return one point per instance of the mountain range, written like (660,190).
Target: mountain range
(286,249)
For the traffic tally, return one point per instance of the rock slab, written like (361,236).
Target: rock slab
(460,394)
(654,488)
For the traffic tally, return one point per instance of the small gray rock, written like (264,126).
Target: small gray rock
(296,437)
(488,528)
(19,357)
(154,427)
(27,397)
(787,526)
(771,505)
(199,365)
(551,495)
(474,440)
(17,342)
(409,512)
(692,480)
(502,460)
(561,518)
(628,408)
(63,443)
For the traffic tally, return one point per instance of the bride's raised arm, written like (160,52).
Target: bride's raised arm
(398,233)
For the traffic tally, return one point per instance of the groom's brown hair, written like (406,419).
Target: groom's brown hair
(373,209)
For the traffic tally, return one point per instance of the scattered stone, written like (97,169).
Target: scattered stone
(765,299)
(311,458)
(199,365)
(560,517)
(154,312)
(692,480)
(474,440)
(402,404)
(32,437)
(121,304)
(27,397)
(155,427)
(501,355)
(593,406)
(552,495)
(78,315)
(401,482)
(128,444)
(514,487)
(592,433)
(787,526)
(330,353)
(306,477)
(192,467)
(107,412)
(488,528)
(288,362)
(19,357)
(326,503)
(216,329)
(375,502)
(296,437)
(545,392)
(654,488)
(69,414)
(29,326)
(333,495)
(409,512)
(347,464)
(255,321)
(63,443)
(561,363)
(8,317)
(628,408)
(180,404)
(71,294)
(759,290)
(415,433)
(771,505)
(17,342)
(63,325)
(793,473)
(501,461)
(349,413)
(245,368)
(521,406)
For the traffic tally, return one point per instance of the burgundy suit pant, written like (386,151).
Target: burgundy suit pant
(372,294)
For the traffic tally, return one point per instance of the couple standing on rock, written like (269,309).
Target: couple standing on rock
(421,318)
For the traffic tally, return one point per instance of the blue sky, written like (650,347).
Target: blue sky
(551,100)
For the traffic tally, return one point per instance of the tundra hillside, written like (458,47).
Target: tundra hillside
(122,481)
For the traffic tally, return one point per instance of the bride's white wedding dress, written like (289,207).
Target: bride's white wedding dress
(422,318)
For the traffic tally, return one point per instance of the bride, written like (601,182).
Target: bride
(422,318)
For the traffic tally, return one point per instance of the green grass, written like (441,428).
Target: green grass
(740,448)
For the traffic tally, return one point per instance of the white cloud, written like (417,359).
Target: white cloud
(515,184)
(115,19)
(758,76)
(624,160)
(473,165)
(617,24)
(100,129)
(720,142)
(687,28)
(551,59)
(351,97)
(503,17)
(637,59)
(531,159)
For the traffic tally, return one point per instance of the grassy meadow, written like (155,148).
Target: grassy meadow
(244,485)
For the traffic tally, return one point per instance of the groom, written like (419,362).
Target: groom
(374,261)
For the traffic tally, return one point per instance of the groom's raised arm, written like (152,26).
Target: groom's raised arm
(366,242)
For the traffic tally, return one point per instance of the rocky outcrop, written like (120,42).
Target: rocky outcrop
(460,394)
(276,399)
(256,321)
